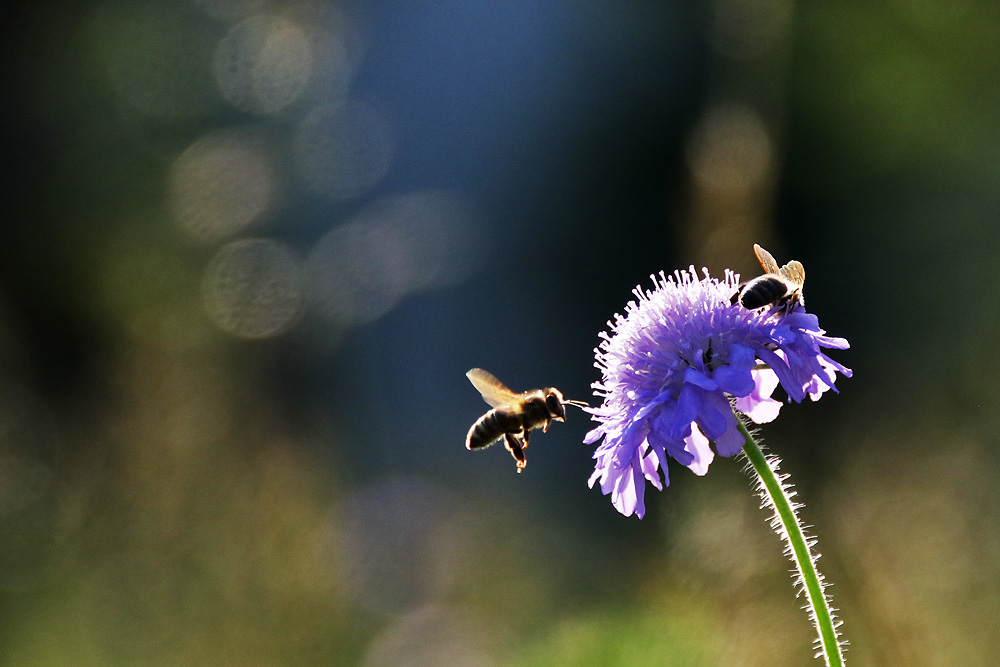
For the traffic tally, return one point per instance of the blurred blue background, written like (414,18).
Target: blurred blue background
(250,249)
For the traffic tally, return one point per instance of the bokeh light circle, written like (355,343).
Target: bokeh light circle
(400,244)
(343,149)
(263,64)
(252,288)
(220,185)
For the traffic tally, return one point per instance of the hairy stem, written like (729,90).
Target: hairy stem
(777,494)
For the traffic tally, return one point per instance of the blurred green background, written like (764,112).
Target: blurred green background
(250,249)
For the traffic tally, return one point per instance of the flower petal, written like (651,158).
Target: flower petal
(712,418)
(734,381)
(628,493)
(759,406)
(731,441)
(695,377)
(650,465)
(702,455)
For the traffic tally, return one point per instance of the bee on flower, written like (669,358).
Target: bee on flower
(678,362)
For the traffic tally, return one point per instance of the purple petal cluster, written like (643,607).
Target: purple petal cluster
(671,367)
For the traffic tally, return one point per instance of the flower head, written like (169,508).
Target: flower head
(671,367)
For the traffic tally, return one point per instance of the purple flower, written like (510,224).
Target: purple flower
(671,367)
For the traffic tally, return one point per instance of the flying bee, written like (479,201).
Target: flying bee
(778,287)
(513,416)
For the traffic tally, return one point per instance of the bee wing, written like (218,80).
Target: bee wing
(795,272)
(493,390)
(765,259)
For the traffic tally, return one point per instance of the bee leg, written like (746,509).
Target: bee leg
(513,444)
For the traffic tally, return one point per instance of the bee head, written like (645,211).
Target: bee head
(555,403)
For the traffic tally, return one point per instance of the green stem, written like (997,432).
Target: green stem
(786,523)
